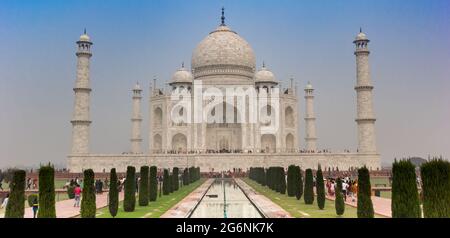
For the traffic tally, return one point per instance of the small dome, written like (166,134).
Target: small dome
(361,36)
(309,86)
(137,86)
(264,75)
(182,76)
(85,37)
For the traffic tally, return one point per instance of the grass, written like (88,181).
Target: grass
(381,182)
(298,208)
(154,209)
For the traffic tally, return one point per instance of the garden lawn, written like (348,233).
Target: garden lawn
(298,208)
(154,209)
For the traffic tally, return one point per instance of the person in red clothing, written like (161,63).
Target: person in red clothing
(77,192)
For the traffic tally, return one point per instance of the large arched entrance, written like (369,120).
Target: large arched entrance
(226,135)
(268,143)
(179,143)
(290,142)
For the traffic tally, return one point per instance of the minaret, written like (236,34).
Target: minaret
(136,121)
(365,115)
(80,121)
(310,119)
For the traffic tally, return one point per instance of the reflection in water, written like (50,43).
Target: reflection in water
(225,191)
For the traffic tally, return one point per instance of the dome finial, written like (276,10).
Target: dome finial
(85,30)
(182,64)
(360,29)
(264,64)
(223,17)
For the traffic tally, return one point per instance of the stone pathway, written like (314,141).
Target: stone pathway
(183,208)
(265,205)
(65,208)
(381,206)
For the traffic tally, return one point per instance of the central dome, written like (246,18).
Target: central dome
(223,51)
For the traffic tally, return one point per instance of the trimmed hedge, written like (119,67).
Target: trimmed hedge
(143,186)
(186,177)
(153,184)
(299,187)
(113,193)
(365,206)
(47,192)
(129,202)
(166,181)
(320,189)
(436,188)
(16,203)
(405,197)
(176,182)
(309,187)
(291,181)
(88,205)
(339,203)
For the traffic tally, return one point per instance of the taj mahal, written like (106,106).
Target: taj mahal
(224,113)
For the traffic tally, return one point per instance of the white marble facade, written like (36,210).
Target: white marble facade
(263,129)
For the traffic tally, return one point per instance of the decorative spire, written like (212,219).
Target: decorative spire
(264,64)
(85,30)
(182,64)
(223,17)
(360,29)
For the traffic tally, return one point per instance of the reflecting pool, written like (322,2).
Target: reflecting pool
(225,199)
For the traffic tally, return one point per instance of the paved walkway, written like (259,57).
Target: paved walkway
(381,206)
(185,207)
(265,205)
(65,208)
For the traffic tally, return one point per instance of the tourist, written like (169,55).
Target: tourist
(35,206)
(344,189)
(77,192)
(5,201)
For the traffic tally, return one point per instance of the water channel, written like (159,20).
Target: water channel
(225,199)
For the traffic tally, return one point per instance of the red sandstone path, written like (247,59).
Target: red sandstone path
(65,208)
(381,206)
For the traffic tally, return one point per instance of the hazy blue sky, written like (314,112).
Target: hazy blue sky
(310,40)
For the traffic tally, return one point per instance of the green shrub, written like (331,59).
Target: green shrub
(282,179)
(47,192)
(16,204)
(153,184)
(143,187)
(166,180)
(129,201)
(339,201)
(186,177)
(299,186)
(365,206)
(113,193)
(320,189)
(291,180)
(405,197)
(88,205)
(175,183)
(309,187)
(436,188)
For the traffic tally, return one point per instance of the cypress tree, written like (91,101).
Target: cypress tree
(113,198)
(320,189)
(165,185)
(339,201)
(186,176)
(88,205)
(176,182)
(282,180)
(365,206)
(47,192)
(291,181)
(129,201)
(436,188)
(309,190)
(170,182)
(153,184)
(299,183)
(143,185)
(405,198)
(16,203)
